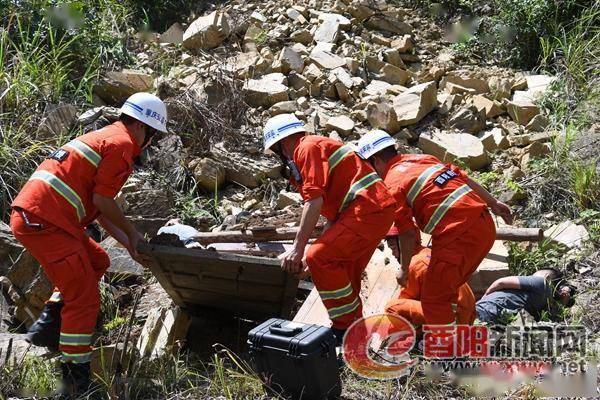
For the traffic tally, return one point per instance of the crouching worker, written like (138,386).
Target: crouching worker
(543,292)
(408,302)
(336,183)
(74,186)
(446,204)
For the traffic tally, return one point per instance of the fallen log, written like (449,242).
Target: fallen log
(272,234)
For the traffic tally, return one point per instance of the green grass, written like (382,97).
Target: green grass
(31,376)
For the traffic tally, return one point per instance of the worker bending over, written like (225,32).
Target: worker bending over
(336,183)
(74,186)
(446,204)
(408,303)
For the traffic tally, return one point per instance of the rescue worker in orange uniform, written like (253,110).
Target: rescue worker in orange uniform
(408,303)
(336,183)
(445,203)
(74,186)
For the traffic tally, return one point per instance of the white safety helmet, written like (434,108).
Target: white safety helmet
(279,127)
(147,108)
(373,142)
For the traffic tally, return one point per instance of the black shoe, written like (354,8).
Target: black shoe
(45,332)
(76,381)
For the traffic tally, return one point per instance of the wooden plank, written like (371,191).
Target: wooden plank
(271,234)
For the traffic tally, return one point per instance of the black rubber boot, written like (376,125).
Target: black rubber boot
(45,332)
(76,381)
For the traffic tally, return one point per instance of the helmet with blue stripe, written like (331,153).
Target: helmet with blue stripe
(279,127)
(373,142)
(147,108)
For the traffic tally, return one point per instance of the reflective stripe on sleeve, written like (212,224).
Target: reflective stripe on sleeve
(61,188)
(86,151)
(362,184)
(443,208)
(421,181)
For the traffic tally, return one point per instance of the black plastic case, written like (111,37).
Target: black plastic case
(296,360)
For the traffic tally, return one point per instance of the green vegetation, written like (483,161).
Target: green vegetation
(31,376)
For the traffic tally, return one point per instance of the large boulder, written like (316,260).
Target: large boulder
(57,121)
(163,332)
(326,59)
(468,80)
(341,124)
(389,24)
(206,32)
(209,174)
(567,234)
(468,119)
(464,147)
(116,86)
(414,104)
(267,90)
(522,110)
(246,171)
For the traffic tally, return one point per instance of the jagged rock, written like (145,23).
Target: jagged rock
(512,196)
(361,10)
(492,108)
(468,119)
(291,60)
(244,170)
(528,138)
(296,15)
(172,35)
(495,139)
(537,85)
(385,23)
(14,348)
(403,44)
(521,111)
(163,331)
(266,91)
(393,57)
(454,88)
(376,88)
(258,17)
(445,102)
(326,59)
(10,248)
(245,65)
(341,124)
(117,86)
(466,79)
(142,200)
(567,234)
(286,198)
(312,73)
(284,107)
(206,32)
(538,123)
(121,263)
(57,121)
(412,105)
(500,88)
(328,31)
(301,36)
(449,147)
(534,150)
(209,174)
(393,75)
(342,21)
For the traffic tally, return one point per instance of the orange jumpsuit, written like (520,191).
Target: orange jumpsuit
(58,196)
(437,197)
(356,200)
(408,303)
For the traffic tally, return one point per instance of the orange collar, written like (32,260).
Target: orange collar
(136,147)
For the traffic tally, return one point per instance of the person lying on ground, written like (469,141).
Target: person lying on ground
(543,292)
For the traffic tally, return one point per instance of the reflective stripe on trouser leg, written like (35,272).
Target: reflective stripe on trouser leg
(77,358)
(347,308)
(75,339)
(336,294)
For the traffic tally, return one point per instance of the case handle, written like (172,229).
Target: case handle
(284,331)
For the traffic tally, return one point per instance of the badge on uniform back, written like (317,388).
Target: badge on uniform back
(59,155)
(445,177)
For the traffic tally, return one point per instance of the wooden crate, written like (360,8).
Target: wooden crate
(248,286)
